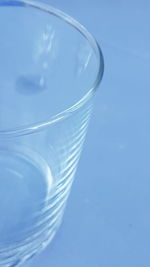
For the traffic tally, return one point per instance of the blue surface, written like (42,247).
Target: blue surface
(107,220)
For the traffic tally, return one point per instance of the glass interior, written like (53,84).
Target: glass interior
(46,65)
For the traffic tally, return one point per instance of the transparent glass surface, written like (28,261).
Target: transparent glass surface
(50,67)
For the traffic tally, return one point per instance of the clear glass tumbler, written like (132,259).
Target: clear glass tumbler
(50,67)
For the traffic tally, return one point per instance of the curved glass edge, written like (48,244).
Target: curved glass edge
(78,26)
(11,3)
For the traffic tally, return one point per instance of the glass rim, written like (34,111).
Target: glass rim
(22,130)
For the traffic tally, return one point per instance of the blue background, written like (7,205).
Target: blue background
(107,220)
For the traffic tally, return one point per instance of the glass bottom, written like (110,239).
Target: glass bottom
(30,209)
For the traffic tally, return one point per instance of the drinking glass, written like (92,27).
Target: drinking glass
(50,67)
